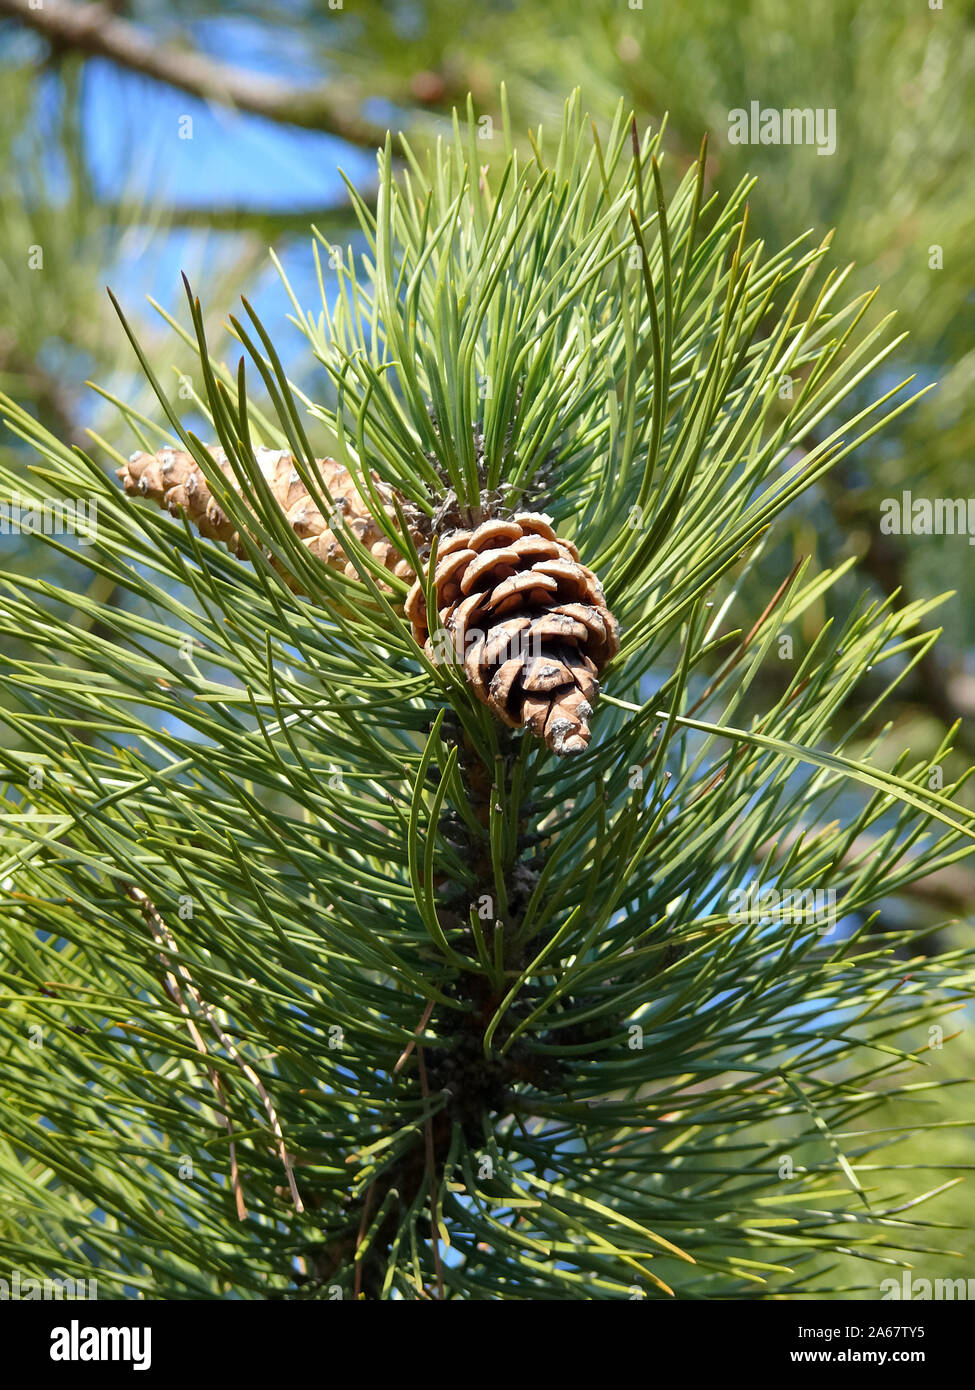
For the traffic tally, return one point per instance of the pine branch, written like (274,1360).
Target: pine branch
(54,402)
(336,216)
(94,30)
(499,997)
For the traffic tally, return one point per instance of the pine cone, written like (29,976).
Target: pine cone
(174,480)
(529,622)
(527,619)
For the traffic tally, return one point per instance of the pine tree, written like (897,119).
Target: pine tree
(338,962)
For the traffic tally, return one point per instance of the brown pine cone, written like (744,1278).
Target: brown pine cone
(173,479)
(529,622)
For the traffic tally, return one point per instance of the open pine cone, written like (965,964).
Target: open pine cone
(528,621)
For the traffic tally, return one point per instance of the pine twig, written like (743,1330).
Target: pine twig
(431,1162)
(405,1055)
(96,31)
(164,938)
(157,927)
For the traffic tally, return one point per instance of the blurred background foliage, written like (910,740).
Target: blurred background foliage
(156,138)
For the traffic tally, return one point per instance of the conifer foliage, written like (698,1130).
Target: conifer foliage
(322,975)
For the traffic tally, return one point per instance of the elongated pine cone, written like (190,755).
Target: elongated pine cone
(529,622)
(526,618)
(174,480)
